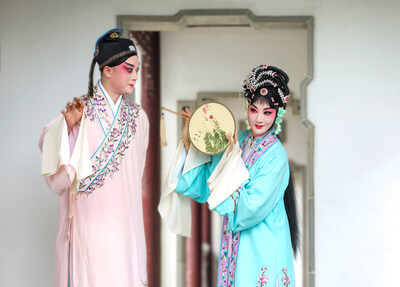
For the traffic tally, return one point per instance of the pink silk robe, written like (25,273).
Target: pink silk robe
(104,232)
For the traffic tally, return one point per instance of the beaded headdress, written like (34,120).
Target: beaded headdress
(271,83)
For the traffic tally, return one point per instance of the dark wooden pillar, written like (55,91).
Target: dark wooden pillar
(205,246)
(193,248)
(149,45)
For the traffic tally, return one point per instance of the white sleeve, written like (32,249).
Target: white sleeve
(56,152)
(228,175)
(174,207)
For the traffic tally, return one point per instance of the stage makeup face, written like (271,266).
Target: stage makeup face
(261,118)
(124,76)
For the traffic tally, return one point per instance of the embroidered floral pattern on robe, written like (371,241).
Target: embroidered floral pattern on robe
(263,278)
(96,106)
(228,255)
(285,279)
(107,159)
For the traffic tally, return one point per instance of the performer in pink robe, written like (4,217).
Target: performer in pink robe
(100,240)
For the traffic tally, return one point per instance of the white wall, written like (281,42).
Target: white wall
(354,98)
(354,102)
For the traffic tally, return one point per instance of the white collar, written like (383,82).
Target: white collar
(114,107)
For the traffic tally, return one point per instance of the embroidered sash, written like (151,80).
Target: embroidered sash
(230,239)
(107,158)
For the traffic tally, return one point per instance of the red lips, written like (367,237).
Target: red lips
(259,127)
(131,85)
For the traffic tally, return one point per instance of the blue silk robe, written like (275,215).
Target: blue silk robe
(255,248)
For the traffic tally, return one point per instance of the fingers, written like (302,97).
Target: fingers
(230,138)
(77,103)
(187,115)
(82,107)
(73,107)
(231,142)
(73,112)
(186,112)
(68,106)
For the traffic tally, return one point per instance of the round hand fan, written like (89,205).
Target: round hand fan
(207,128)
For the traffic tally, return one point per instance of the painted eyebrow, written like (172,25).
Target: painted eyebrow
(263,109)
(129,64)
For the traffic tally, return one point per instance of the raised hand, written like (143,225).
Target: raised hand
(73,112)
(232,141)
(185,130)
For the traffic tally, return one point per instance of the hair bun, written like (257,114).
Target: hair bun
(267,81)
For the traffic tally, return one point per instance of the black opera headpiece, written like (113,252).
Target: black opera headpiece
(110,50)
(269,82)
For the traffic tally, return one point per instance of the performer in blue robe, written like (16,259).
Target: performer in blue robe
(259,232)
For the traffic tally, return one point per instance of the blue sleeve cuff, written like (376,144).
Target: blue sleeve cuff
(227,206)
